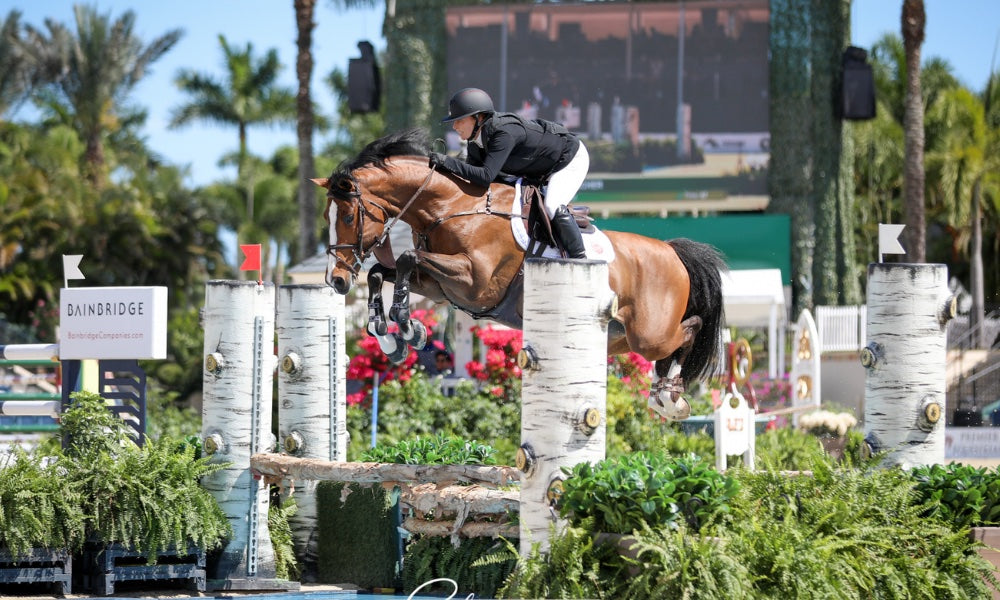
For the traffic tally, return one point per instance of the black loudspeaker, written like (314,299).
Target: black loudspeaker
(857,98)
(364,92)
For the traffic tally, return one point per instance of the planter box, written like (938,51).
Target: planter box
(990,536)
(37,566)
(110,564)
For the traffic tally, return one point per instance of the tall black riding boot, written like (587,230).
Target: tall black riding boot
(567,233)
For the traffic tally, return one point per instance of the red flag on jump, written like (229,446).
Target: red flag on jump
(252,253)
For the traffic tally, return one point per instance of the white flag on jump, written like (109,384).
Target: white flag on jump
(71,267)
(888,240)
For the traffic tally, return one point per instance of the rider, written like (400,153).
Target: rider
(541,151)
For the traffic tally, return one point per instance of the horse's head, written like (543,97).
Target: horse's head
(358,215)
(355,227)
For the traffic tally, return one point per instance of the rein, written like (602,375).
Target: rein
(357,248)
(360,254)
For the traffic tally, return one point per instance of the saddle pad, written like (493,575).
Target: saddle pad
(597,245)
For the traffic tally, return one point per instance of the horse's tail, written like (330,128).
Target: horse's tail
(704,264)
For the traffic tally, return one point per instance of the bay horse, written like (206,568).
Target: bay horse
(670,308)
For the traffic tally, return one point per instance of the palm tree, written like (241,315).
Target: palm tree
(913,22)
(304,24)
(305,193)
(965,161)
(14,72)
(90,73)
(249,96)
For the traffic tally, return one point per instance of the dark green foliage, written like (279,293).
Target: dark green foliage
(788,449)
(166,417)
(960,495)
(433,450)
(357,535)
(148,498)
(573,567)
(38,506)
(285,565)
(432,557)
(677,563)
(417,408)
(833,534)
(624,493)
(847,534)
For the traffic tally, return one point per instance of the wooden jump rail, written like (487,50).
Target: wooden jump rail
(456,492)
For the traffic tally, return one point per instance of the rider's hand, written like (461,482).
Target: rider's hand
(437,159)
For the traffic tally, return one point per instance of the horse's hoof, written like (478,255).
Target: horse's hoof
(398,356)
(673,410)
(417,336)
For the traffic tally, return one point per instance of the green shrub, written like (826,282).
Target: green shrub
(960,495)
(418,408)
(847,533)
(39,507)
(624,493)
(440,449)
(285,565)
(147,498)
(573,567)
(675,563)
(433,557)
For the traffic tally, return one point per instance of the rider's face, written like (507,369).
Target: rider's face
(464,126)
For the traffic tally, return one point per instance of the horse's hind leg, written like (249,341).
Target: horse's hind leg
(665,393)
(413,332)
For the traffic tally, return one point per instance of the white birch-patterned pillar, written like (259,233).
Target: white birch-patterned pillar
(312,411)
(567,304)
(908,308)
(236,423)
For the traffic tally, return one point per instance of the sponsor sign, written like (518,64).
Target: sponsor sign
(971,442)
(113,323)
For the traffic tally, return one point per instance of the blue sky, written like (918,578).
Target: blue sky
(964,32)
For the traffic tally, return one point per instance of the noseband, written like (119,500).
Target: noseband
(358,252)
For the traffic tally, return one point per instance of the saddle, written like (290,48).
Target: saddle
(539,226)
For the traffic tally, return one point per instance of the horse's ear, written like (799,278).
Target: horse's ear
(323,183)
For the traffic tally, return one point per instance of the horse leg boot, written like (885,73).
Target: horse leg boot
(413,332)
(567,233)
(665,397)
(391,344)
(377,325)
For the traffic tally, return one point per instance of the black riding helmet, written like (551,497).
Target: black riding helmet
(468,101)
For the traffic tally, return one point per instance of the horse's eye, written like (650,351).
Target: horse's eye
(348,218)
(345,185)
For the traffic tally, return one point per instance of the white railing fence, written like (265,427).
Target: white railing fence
(841,328)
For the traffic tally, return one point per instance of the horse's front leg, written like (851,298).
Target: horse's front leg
(413,332)
(391,344)
(377,325)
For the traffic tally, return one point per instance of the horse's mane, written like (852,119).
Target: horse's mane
(408,142)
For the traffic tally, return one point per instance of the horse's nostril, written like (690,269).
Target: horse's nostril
(340,285)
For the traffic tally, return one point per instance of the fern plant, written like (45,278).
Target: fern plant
(574,567)
(433,557)
(38,507)
(148,498)
(848,533)
(285,564)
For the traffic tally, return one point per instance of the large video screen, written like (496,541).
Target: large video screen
(670,98)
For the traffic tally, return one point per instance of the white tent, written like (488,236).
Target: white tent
(756,298)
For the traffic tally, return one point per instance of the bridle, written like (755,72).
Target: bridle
(359,253)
